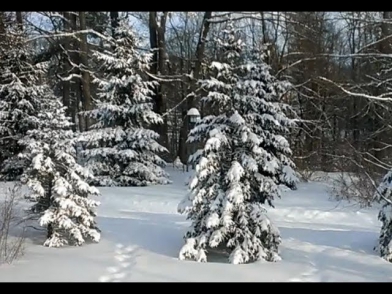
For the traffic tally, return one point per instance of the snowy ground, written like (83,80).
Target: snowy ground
(142,235)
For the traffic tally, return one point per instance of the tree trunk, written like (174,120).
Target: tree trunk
(66,85)
(87,101)
(161,94)
(114,21)
(153,40)
(157,43)
(385,48)
(49,197)
(196,74)
(19,20)
(76,84)
(2,26)
(201,45)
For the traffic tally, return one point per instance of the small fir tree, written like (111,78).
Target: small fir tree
(20,95)
(121,149)
(244,160)
(58,184)
(384,195)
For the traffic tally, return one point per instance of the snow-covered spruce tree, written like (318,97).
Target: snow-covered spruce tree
(57,182)
(19,101)
(243,162)
(384,195)
(121,149)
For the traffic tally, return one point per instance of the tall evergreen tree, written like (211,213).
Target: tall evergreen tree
(384,195)
(244,160)
(122,150)
(19,101)
(58,184)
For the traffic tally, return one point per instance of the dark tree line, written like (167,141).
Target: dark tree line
(338,62)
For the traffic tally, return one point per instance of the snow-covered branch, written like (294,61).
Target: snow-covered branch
(361,95)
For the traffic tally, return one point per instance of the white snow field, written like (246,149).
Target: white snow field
(323,241)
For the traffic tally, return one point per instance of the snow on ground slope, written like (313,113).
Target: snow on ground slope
(142,235)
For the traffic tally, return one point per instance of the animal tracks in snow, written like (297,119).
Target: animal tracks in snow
(125,259)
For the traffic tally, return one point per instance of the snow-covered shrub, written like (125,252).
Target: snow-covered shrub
(11,226)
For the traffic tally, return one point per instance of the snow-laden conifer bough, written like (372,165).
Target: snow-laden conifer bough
(245,158)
